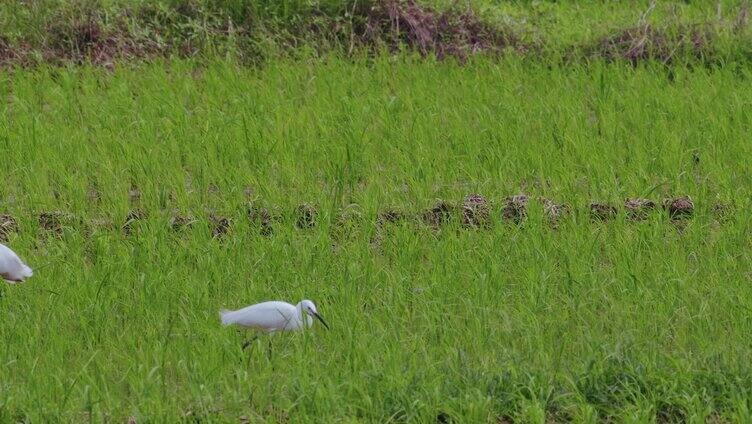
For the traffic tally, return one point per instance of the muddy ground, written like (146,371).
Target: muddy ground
(473,212)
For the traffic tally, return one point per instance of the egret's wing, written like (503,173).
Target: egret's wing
(5,260)
(11,266)
(266,316)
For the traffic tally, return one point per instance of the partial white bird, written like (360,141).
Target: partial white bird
(272,316)
(12,268)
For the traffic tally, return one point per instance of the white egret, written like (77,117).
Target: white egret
(273,316)
(12,268)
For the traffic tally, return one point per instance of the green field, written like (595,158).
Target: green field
(137,194)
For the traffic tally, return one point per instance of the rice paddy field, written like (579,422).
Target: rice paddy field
(501,239)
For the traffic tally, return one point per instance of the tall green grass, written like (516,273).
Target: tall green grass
(633,321)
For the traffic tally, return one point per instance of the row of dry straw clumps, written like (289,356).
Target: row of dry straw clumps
(58,33)
(475,211)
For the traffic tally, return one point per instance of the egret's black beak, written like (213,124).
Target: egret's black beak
(318,317)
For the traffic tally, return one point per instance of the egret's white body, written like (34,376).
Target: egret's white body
(272,316)
(12,268)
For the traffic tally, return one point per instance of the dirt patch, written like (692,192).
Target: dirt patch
(440,214)
(555,211)
(680,207)
(602,211)
(647,42)
(180,221)
(52,222)
(390,216)
(87,34)
(220,225)
(385,218)
(476,211)
(638,209)
(444,418)
(669,413)
(76,40)
(305,216)
(13,55)
(263,218)
(8,226)
(454,33)
(131,219)
(515,208)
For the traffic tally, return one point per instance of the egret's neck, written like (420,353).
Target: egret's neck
(303,317)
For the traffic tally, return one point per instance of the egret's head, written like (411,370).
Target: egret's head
(309,308)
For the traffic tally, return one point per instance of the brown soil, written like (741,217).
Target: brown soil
(306,216)
(456,33)
(52,222)
(680,207)
(602,211)
(515,208)
(262,217)
(476,211)
(384,218)
(647,42)
(8,225)
(14,55)
(638,209)
(220,225)
(443,418)
(438,215)
(555,211)
(80,36)
(390,216)
(131,219)
(180,221)
(86,33)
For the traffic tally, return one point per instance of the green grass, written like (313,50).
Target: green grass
(634,321)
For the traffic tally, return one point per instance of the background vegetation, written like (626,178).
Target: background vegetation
(102,31)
